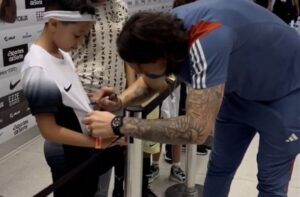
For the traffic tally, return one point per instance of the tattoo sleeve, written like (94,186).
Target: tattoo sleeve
(141,90)
(140,94)
(202,107)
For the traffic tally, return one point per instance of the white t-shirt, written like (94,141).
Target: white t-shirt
(51,86)
(170,106)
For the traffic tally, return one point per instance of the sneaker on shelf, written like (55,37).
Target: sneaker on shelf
(177,175)
(201,150)
(153,173)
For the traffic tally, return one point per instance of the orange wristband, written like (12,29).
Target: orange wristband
(98,144)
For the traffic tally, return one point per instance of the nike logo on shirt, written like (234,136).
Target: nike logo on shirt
(13,85)
(68,88)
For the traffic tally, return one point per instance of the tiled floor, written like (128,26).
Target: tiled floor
(24,172)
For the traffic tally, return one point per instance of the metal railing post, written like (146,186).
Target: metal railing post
(192,189)
(134,163)
(189,189)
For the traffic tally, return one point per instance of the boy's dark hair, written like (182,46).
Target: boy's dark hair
(147,37)
(83,6)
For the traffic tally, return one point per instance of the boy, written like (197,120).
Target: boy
(57,98)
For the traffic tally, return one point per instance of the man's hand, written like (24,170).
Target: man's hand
(99,123)
(106,99)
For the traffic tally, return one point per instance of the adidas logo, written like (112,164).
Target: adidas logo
(292,138)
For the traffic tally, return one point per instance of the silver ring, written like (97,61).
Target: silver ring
(89,130)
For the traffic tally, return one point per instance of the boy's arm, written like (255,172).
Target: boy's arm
(55,133)
(61,135)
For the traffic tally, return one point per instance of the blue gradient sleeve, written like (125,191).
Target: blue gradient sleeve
(41,92)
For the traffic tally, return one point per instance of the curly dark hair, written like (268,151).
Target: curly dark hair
(147,37)
(83,6)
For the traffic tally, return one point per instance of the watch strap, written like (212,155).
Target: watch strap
(116,129)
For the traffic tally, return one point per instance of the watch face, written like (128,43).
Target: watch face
(117,122)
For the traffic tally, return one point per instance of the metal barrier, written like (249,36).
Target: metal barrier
(134,163)
(135,160)
(189,189)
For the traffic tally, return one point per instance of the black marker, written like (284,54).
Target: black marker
(112,97)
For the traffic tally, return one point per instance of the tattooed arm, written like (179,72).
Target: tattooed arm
(142,89)
(202,108)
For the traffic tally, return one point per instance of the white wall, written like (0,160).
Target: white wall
(15,40)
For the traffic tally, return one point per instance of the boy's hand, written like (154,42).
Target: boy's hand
(98,123)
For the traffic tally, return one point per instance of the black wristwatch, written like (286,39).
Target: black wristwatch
(116,124)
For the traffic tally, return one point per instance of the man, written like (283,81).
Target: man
(216,42)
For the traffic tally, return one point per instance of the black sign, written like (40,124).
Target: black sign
(2,106)
(11,100)
(13,114)
(14,54)
(34,4)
